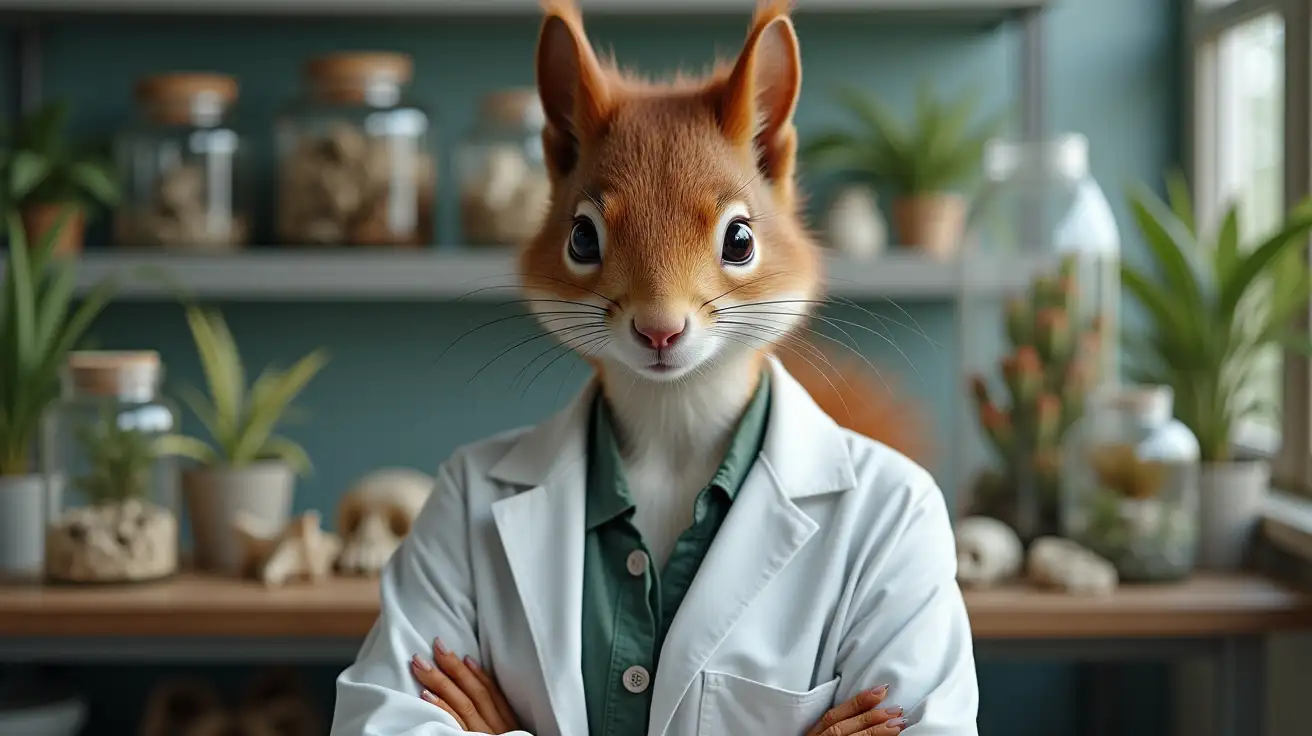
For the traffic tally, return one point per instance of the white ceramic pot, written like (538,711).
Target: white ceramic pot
(216,495)
(854,226)
(22,528)
(1230,497)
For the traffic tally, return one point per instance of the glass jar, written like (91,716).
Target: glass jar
(1130,484)
(182,166)
(113,496)
(504,189)
(354,167)
(1039,321)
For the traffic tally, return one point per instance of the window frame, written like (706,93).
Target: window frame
(1291,451)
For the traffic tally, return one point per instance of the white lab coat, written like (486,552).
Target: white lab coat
(833,572)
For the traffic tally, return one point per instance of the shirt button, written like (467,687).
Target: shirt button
(636,679)
(637,562)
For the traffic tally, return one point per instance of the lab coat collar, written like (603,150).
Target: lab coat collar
(804,447)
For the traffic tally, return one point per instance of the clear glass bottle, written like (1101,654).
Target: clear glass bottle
(354,165)
(113,497)
(183,166)
(1130,484)
(504,189)
(1039,320)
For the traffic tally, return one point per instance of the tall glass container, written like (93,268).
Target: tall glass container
(504,189)
(1130,484)
(354,164)
(1039,320)
(113,498)
(182,165)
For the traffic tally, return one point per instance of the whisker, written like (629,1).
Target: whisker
(563,345)
(574,286)
(742,286)
(837,323)
(558,357)
(498,321)
(817,368)
(522,342)
(816,351)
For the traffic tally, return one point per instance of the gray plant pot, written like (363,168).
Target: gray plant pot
(22,528)
(215,496)
(1230,503)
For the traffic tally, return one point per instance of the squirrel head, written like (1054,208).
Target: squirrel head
(672,239)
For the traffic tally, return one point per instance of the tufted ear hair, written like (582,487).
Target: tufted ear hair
(758,99)
(575,94)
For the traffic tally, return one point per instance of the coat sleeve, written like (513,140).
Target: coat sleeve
(426,592)
(909,629)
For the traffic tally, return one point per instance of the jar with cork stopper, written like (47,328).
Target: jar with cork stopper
(504,189)
(113,494)
(183,166)
(354,164)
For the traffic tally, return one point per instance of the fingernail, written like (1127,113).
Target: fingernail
(898,723)
(440,647)
(880,690)
(429,697)
(421,664)
(895,710)
(469,662)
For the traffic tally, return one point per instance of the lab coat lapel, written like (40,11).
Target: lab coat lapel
(804,454)
(542,531)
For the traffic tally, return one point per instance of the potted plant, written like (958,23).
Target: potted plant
(1212,306)
(45,175)
(120,535)
(38,328)
(925,163)
(246,468)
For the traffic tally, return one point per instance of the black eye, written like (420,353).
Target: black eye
(739,243)
(584,241)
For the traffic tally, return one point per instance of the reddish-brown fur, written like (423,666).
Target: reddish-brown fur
(663,160)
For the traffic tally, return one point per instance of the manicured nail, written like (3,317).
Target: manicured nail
(894,710)
(898,723)
(880,691)
(420,664)
(429,697)
(471,664)
(440,647)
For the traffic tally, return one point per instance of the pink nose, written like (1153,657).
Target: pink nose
(659,337)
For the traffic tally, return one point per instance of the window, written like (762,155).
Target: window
(1250,104)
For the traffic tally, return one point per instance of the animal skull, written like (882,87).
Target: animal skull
(987,551)
(376,514)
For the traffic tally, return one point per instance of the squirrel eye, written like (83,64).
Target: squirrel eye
(584,241)
(739,243)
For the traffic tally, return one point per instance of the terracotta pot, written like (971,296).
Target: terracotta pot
(216,495)
(931,222)
(39,218)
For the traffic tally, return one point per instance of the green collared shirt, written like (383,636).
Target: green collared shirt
(627,604)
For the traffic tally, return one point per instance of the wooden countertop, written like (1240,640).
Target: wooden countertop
(209,607)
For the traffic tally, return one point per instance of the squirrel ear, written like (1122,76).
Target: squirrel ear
(760,95)
(571,84)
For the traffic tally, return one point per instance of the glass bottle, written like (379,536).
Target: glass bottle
(1130,484)
(182,166)
(354,165)
(1039,297)
(113,497)
(504,189)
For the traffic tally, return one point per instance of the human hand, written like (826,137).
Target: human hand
(461,688)
(862,716)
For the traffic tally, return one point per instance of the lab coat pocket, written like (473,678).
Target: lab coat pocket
(733,705)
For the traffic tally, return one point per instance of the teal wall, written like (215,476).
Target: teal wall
(386,399)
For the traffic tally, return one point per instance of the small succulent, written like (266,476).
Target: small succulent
(120,461)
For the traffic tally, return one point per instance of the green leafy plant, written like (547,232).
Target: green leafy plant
(1213,305)
(38,165)
(938,151)
(38,328)
(240,421)
(119,461)
(1047,373)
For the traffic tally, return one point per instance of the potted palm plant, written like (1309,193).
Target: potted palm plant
(926,162)
(47,175)
(246,468)
(38,328)
(1213,305)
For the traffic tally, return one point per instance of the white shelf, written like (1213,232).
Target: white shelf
(965,9)
(464,275)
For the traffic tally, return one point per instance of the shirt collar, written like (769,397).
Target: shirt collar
(608,493)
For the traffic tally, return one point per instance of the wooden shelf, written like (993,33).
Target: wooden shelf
(267,274)
(939,10)
(1210,606)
